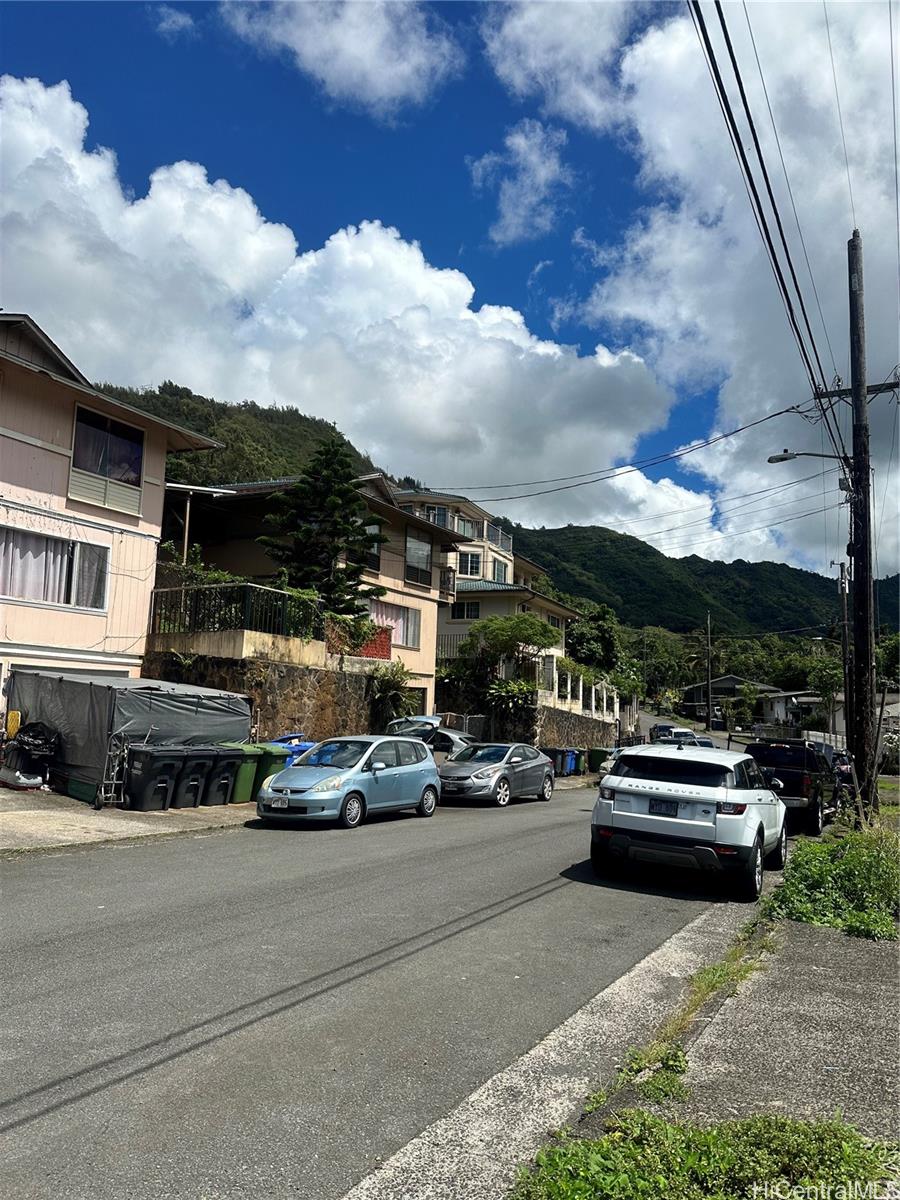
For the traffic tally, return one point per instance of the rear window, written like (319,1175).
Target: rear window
(672,770)
(793,757)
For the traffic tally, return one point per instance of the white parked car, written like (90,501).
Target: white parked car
(686,806)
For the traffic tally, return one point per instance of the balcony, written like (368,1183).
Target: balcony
(499,537)
(447,584)
(448,644)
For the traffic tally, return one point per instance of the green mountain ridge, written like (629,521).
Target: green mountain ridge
(642,585)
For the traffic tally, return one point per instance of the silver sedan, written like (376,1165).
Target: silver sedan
(497,771)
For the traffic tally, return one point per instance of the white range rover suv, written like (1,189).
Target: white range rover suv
(686,806)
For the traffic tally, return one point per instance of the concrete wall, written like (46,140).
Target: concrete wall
(240,643)
(286,698)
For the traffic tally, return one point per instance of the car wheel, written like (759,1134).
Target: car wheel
(502,793)
(777,856)
(748,885)
(352,811)
(428,803)
(815,818)
(547,789)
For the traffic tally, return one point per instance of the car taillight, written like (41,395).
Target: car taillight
(729,809)
(607,793)
(807,785)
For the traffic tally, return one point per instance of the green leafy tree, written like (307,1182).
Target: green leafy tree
(323,532)
(520,637)
(388,693)
(887,659)
(826,677)
(593,638)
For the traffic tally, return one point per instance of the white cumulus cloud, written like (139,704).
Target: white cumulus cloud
(190,282)
(379,55)
(531,180)
(173,22)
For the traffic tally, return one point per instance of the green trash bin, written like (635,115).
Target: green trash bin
(272,760)
(580,762)
(596,755)
(244,790)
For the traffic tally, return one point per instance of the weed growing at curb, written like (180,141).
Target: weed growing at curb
(641,1155)
(849,882)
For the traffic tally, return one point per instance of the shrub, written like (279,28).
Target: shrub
(851,883)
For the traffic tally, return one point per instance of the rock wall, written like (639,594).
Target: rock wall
(286,698)
(543,725)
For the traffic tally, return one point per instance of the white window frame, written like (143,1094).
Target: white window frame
(469,554)
(76,553)
(105,503)
(466,605)
(499,566)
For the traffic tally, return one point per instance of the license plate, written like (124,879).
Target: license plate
(664,808)
(452,787)
(278,802)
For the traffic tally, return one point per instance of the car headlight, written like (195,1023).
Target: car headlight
(487,773)
(266,783)
(328,785)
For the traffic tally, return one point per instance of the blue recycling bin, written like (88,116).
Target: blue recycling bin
(296,743)
(571,759)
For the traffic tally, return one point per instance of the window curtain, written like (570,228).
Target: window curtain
(90,576)
(33,567)
(405,622)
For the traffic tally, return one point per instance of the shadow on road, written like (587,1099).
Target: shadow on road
(663,882)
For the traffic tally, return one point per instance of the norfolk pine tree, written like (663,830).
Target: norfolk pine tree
(320,539)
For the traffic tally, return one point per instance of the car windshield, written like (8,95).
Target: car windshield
(672,770)
(333,754)
(480,754)
(404,727)
(792,757)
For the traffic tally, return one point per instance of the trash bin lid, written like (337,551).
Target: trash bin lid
(248,749)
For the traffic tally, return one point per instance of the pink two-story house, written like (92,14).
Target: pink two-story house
(81,498)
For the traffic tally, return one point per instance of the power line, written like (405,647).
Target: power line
(767,508)
(896,166)
(756,202)
(837,98)
(721,535)
(602,475)
(790,190)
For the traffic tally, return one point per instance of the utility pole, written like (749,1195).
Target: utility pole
(708,673)
(863,685)
(845,655)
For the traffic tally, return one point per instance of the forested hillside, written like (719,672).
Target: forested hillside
(641,585)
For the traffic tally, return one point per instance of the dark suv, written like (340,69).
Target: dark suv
(809,783)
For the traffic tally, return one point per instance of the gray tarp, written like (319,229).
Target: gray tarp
(89,709)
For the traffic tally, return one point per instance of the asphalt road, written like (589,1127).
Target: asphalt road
(269,1012)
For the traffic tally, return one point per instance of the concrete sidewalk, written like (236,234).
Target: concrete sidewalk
(812,1033)
(43,820)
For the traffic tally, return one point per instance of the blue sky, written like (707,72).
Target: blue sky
(163,84)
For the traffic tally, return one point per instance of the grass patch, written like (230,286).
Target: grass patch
(663,1085)
(644,1157)
(850,883)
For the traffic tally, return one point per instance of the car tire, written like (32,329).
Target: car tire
(502,793)
(546,792)
(748,884)
(428,803)
(777,857)
(352,811)
(815,818)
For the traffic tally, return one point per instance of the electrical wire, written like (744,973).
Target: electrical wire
(768,507)
(721,535)
(756,202)
(896,163)
(790,190)
(610,472)
(837,98)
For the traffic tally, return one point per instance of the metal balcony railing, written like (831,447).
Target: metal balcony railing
(499,537)
(448,644)
(214,608)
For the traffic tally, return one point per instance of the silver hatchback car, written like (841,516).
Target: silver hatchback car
(346,778)
(497,771)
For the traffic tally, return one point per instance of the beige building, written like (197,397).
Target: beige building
(411,566)
(81,504)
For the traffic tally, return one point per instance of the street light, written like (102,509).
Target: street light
(789,456)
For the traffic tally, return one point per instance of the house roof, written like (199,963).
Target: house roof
(530,562)
(488,585)
(766,688)
(383,504)
(428,494)
(177,437)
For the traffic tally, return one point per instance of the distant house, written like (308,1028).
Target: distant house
(81,505)
(724,687)
(411,565)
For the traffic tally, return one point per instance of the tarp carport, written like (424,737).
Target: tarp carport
(89,710)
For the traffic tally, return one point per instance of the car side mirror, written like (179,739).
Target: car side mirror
(378,766)
(517,759)
(775,784)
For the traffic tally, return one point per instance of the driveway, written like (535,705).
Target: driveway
(271,1012)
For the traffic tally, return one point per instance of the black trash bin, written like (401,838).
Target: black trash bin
(191,783)
(220,780)
(152,774)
